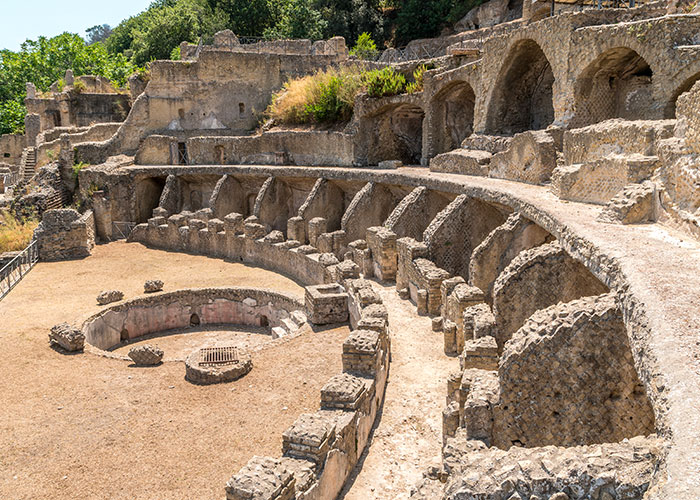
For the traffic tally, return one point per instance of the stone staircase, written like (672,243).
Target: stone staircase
(58,199)
(28,165)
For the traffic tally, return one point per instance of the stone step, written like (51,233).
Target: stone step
(289,325)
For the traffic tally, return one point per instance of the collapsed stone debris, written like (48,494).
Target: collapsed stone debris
(146,355)
(109,296)
(67,337)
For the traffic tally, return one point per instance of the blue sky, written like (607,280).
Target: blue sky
(22,19)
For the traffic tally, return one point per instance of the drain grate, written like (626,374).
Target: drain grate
(214,356)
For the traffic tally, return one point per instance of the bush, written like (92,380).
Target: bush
(15,234)
(324,97)
(384,82)
(365,48)
(418,75)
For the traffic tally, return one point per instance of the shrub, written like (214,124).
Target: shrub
(77,168)
(418,75)
(15,233)
(384,82)
(326,96)
(79,86)
(365,48)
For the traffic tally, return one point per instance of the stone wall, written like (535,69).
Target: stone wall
(567,378)
(320,450)
(535,279)
(64,234)
(270,148)
(221,91)
(11,147)
(172,310)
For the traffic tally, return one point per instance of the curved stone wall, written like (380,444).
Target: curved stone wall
(183,308)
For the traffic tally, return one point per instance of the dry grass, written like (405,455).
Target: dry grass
(327,95)
(15,234)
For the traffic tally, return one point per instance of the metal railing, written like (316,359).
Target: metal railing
(17,268)
(122,230)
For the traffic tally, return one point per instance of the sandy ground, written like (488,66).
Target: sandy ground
(84,426)
(408,438)
(178,344)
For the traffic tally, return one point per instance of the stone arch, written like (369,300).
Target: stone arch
(684,87)
(452,116)
(399,134)
(617,84)
(522,97)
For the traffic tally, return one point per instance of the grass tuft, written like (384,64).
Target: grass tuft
(15,234)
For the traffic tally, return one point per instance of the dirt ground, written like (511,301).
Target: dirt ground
(84,426)
(408,438)
(178,344)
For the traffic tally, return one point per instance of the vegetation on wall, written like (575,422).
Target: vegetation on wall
(156,33)
(328,96)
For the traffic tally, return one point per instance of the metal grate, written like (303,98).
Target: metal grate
(215,356)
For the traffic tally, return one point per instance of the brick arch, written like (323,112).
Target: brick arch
(615,84)
(522,94)
(682,83)
(452,116)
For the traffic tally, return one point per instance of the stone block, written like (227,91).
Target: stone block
(316,227)
(262,478)
(109,296)
(481,353)
(326,304)
(310,437)
(382,245)
(152,286)
(68,338)
(296,229)
(146,355)
(361,353)
(233,223)
(344,392)
(253,231)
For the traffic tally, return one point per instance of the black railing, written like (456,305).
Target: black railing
(17,268)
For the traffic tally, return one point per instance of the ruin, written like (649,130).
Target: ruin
(535,210)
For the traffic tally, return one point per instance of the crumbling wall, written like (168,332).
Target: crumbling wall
(500,247)
(457,230)
(64,234)
(536,279)
(615,85)
(522,99)
(567,378)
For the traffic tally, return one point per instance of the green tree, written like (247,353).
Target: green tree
(365,48)
(165,28)
(44,61)
(298,19)
(98,33)
(351,18)
(248,17)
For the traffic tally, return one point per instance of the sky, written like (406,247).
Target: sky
(22,19)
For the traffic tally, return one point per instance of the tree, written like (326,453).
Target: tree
(350,18)
(45,60)
(98,33)
(298,19)
(247,17)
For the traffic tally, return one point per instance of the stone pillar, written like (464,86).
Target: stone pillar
(296,229)
(382,243)
(32,126)
(317,226)
(101,206)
